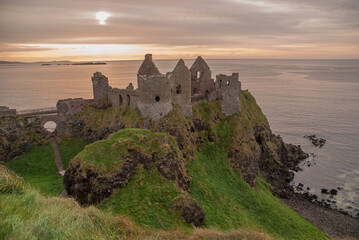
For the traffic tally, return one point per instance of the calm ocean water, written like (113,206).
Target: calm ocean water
(299,97)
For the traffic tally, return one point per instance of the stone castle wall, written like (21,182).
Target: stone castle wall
(228,92)
(157,92)
(6,111)
(72,106)
(100,86)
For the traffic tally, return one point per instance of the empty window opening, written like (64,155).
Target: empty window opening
(120,100)
(157,98)
(128,100)
(227,83)
(220,83)
(194,90)
(178,89)
(207,93)
(198,74)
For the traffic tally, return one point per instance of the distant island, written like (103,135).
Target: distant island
(65,62)
(86,63)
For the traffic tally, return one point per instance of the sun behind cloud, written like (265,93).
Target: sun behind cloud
(102,17)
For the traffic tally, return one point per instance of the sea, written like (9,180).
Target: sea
(299,97)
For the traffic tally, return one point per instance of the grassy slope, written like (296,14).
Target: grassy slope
(230,203)
(26,214)
(37,167)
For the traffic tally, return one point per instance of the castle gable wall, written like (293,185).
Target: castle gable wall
(181,87)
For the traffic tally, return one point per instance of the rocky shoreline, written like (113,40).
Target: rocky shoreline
(330,221)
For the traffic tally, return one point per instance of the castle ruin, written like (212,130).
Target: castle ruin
(157,92)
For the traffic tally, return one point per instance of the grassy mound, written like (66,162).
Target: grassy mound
(37,167)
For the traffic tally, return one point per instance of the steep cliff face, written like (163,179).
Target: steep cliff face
(246,137)
(108,172)
(251,146)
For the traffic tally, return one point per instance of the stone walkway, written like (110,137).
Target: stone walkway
(57,156)
(58,162)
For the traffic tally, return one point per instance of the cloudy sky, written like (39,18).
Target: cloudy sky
(34,30)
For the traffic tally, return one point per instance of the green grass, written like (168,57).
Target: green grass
(230,203)
(147,199)
(37,167)
(97,118)
(109,155)
(25,214)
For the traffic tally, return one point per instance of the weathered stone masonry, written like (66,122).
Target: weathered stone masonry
(157,92)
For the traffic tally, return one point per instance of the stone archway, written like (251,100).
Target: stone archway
(57,119)
(50,126)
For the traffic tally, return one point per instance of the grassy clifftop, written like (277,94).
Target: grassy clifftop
(209,165)
(202,177)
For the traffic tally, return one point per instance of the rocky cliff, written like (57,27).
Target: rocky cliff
(168,146)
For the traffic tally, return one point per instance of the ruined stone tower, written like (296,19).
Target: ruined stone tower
(154,90)
(100,86)
(228,93)
(202,83)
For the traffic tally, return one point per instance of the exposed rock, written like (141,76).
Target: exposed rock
(333,192)
(17,136)
(190,210)
(199,124)
(324,190)
(318,142)
(90,184)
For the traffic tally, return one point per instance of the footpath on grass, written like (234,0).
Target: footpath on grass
(58,161)
(57,156)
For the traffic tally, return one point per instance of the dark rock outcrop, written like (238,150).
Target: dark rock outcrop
(17,136)
(318,142)
(89,184)
(190,210)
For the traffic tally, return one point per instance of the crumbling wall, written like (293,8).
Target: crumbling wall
(6,111)
(228,92)
(123,97)
(72,106)
(202,83)
(181,87)
(155,96)
(100,86)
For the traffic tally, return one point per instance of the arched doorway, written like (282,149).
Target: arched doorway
(50,126)
(120,100)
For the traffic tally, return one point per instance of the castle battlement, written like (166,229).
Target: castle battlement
(157,92)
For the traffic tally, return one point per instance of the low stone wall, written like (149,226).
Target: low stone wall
(72,106)
(6,111)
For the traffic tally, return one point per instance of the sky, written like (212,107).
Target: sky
(43,30)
